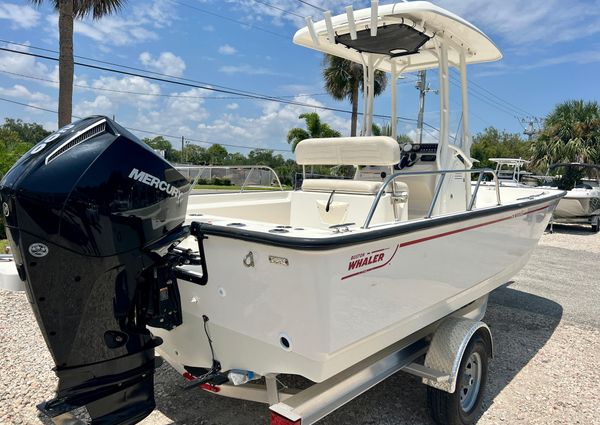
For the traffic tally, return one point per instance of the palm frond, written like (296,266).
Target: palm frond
(96,8)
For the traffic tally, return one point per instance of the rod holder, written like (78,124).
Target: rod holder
(329,25)
(374,16)
(311,29)
(351,22)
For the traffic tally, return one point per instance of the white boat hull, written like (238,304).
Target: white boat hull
(579,203)
(338,306)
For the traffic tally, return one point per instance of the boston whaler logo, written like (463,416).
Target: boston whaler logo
(366,261)
(153,181)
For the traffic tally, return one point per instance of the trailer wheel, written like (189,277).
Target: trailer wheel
(595,225)
(463,407)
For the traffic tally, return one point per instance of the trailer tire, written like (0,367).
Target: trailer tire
(595,226)
(463,407)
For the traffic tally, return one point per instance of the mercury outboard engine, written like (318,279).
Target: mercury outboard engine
(93,217)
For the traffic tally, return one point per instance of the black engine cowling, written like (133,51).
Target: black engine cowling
(91,212)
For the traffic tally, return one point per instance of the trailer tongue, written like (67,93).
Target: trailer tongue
(94,242)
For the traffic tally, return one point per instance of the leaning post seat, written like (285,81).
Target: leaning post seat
(326,202)
(380,151)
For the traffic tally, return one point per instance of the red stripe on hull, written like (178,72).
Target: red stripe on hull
(441,235)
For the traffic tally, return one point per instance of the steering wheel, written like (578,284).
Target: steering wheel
(408,158)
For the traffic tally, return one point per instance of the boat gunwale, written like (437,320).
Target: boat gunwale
(371,235)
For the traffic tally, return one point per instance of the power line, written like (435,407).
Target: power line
(504,106)
(523,111)
(312,5)
(480,97)
(278,8)
(271,98)
(127,67)
(91,88)
(209,88)
(170,136)
(227,18)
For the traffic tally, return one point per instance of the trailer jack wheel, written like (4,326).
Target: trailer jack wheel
(463,406)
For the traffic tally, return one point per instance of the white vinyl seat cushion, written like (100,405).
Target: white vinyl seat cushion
(365,150)
(348,186)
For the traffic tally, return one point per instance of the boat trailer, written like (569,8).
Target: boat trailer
(592,220)
(447,350)
(454,369)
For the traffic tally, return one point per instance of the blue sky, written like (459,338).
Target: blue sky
(551,53)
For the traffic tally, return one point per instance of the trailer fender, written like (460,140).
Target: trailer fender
(448,346)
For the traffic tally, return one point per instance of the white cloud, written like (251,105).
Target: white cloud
(32,98)
(23,93)
(177,115)
(121,86)
(166,62)
(101,105)
(22,64)
(248,70)
(208,28)
(429,136)
(131,26)
(110,30)
(232,106)
(581,58)
(531,22)
(518,22)
(270,128)
(21,16)
(226,49)
(278,15)
(301,88)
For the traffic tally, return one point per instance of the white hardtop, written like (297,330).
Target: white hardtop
(510,161)
(429,21)
(368,150)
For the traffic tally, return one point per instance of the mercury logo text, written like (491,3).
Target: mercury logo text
(153,181)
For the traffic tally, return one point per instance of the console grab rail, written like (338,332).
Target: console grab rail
(438,188)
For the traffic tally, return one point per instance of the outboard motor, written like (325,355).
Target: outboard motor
(93,217)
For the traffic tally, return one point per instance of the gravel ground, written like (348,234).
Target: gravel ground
(546,326)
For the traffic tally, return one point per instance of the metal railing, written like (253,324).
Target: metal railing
(244,183)
(438,188)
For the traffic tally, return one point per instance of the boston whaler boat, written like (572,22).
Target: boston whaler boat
(509,172)
(581,204)
(344,282)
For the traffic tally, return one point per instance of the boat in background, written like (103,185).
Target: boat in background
(509,171)
(343,282)
(581,204)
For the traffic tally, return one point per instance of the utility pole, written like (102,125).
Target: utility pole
(530,126)
(182,142)
(423,88)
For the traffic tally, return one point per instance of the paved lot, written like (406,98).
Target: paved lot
(546,326)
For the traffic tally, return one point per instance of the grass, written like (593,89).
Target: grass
(3,245)
(237,188)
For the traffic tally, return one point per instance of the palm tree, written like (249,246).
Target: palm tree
(386,130)
(571,133)
(315,129)
(344,78)
(67,11)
